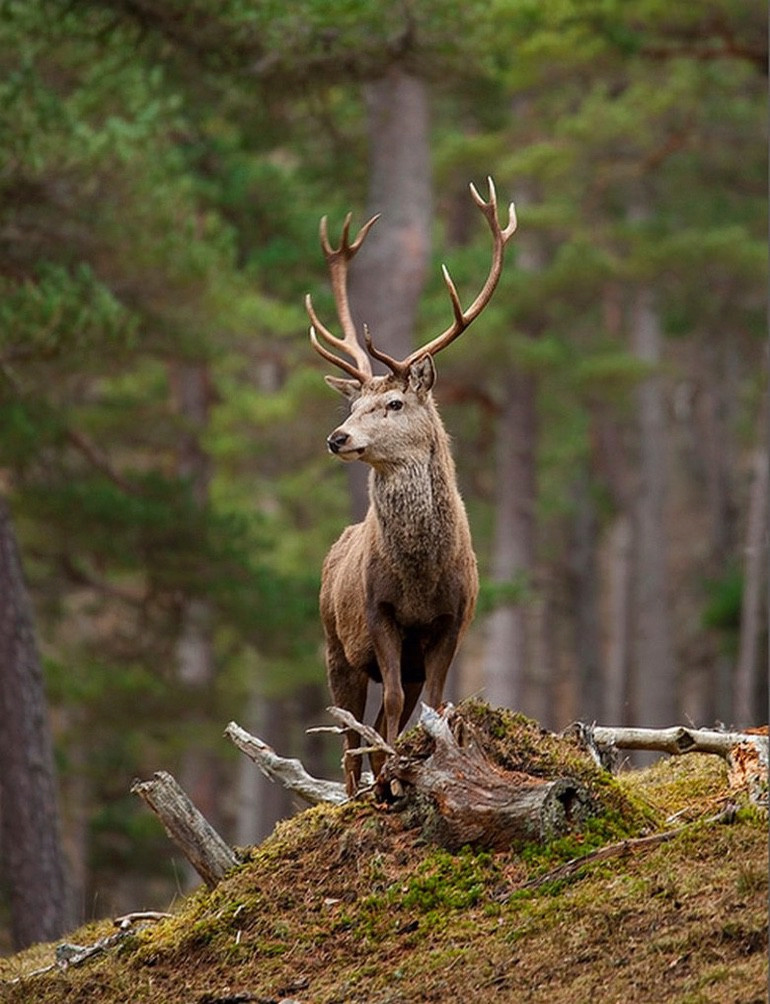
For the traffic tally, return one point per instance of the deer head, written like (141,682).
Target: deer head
(389,414)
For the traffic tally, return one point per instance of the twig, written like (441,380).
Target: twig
(372,736)
(630,846)
(75,955)
(133,918)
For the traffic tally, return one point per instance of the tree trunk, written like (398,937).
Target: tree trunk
(614,471)
(30,843)
(512,679)
(754,581)
(387,278)
(77,804)
(716,417)
(584,577)
(260,804)
(199,770)
(618,619)
(655,697)
(508,649)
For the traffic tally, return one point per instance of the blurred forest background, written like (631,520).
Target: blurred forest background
(163,470)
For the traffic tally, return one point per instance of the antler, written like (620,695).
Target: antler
(462,318)
(337,259)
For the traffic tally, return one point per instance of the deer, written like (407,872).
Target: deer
(399,589)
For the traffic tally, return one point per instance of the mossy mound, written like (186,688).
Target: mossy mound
(351,904)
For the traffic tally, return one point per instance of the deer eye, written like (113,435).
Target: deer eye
(395,405)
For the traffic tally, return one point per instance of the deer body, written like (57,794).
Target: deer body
(399,589)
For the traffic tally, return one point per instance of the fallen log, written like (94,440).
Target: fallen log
(187,827)
(746,753)
(677,740)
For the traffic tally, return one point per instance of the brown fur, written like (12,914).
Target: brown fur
(399,589)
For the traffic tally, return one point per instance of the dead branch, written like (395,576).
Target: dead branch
(746,753)
(195,837)
(676,741)
(68,954)
(99,460)
(288,772)
(371,736)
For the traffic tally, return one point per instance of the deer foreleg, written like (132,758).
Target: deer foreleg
(386,639)
(412,693)
(438,659)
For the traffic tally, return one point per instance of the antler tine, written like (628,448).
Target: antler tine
(383,357)
(343,364)
(316,328)
(489,209)
(338,343)
(462,318)
(337,260)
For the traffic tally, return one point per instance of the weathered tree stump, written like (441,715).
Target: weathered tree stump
(461,797)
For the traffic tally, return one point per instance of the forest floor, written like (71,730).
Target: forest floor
(352,904)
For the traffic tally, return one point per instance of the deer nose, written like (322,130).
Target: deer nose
(337,440)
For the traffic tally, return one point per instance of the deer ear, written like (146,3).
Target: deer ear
(348,388)
(422,374)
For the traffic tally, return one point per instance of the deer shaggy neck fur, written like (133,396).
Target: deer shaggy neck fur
(417,510)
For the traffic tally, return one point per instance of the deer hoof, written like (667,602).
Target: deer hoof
(396,788)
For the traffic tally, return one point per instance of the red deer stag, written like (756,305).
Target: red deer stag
(398,590)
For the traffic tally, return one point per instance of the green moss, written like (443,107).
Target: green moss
(452,882)
(685,786)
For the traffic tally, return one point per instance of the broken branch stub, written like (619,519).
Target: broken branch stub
(371,736)
(187,827)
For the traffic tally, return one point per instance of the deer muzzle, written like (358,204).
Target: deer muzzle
(341,444)
(337,440)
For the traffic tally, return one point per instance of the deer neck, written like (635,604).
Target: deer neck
(417,506)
